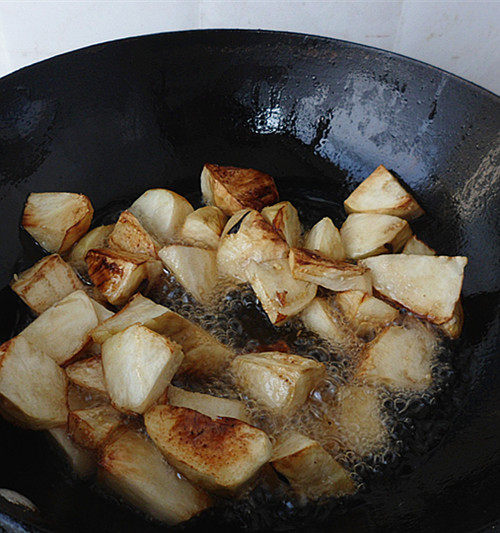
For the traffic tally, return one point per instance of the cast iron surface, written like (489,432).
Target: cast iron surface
(318,114)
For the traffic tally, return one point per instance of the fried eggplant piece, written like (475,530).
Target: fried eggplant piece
(138,365)
(128,235)
(285,220)
(309,468)
(325,238)
(203,227)
(131,465)
(281,295)
(233,188)
(367,234)
(382,193)
(32,386)
(329,273)
(161,213)
(56,220)
(428,286)
(220,454)
(45,283)
(280,382)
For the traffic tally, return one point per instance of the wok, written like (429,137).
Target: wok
(115,119)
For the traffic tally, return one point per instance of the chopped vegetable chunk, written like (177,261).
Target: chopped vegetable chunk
(220,454)
(32,386)
(285,220)
(280,382)
(150,358)
(208,405)
(382,193)
(329,273)
(281,296)
(132,466)
(233,188)
(116,274)
(56,220)
(400,357)
(45,283)
(204,227)
(309,468)
(194,268)
(429,286)
(366,234)
(161,213)
(325,238)
(128,235)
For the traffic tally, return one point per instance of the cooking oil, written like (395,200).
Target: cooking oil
(358,424)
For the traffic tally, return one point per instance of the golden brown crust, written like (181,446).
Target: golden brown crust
(129,235)
(398,305)
(210,442)
(195,429)
(198,430)
(280,318)
(303,258)
(101,267)
(116,274)
(28,280)
(246,187)
(81,212)
(407,207)
(91,432)
(257,223)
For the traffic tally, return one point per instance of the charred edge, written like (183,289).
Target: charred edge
(278,222)
(4,348)
(29,219)
(101,269)
(260,196)
(304,257)
(430,318)
(272,233)
(249,186)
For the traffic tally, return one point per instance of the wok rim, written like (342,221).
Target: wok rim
(296,37)
(263,32)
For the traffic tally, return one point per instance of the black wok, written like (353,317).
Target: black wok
(318,114)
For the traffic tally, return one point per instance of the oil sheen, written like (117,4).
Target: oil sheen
(361,426)
(403,426)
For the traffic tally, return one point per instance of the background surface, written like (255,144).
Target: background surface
(461,37)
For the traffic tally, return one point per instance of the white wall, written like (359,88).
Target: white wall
(460,36)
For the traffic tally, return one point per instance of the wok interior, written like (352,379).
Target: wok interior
(319,116)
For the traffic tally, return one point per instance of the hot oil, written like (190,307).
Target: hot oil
(412,423)
(237,319)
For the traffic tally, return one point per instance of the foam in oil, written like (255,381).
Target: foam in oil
(358,424)
(403,425)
